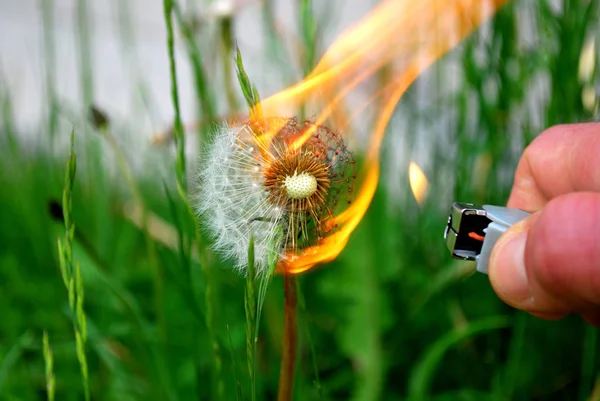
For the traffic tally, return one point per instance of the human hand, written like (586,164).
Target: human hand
(549,263)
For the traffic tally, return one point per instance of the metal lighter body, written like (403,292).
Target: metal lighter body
(472,230)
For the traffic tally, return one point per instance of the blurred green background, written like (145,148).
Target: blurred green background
(392,318)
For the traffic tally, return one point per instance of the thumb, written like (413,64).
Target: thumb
(549,263)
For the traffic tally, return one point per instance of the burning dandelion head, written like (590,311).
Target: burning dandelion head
(265,179)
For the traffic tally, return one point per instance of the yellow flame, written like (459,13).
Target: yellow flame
(401,38)
(418,182)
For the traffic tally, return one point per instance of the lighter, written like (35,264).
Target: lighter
(472,230)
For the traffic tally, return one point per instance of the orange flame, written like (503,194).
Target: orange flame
(418,182)
(403,37)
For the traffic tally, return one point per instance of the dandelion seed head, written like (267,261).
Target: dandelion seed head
(300,186)
(282,195)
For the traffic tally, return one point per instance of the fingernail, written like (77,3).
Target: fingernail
(507,267)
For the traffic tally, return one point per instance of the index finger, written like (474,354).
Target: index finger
(563,159)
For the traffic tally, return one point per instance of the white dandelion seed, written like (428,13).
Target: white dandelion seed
(280,196)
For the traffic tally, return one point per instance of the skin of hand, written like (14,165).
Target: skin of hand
(549,263)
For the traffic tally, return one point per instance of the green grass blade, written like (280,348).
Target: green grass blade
(13,355)
(250,307)
(50,65)
(238,385)
(85,53)
(142,327)
(227,40)
(71,272)
(515,356)
(186,282)
(178,131)
(49,362)
(311,345)
(248,89)
(201,80)
(425,369)
(308,30)
(589,367)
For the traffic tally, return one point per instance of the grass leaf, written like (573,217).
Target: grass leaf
(248,89)
(425,369)
(49,362)
(250,307)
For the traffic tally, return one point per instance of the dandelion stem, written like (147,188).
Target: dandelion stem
(290,333)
